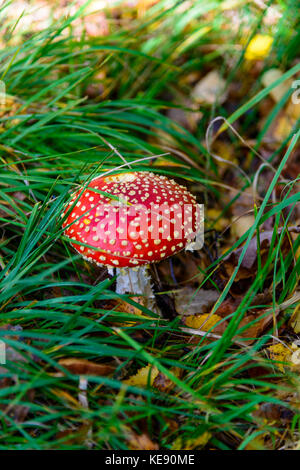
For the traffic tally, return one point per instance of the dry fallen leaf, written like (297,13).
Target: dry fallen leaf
(192,443)
(77,435)
(281,354)
(240,225)
(258,443)
(286,121)
(295,319)
(210,89)
(152,376)
(163,383)
(225,152)
(187,118)
(126,307)
(143,377)
(248,266)
(271,76)
(215,218)
(204,322)
(189,300)
(141,442)
(274,413)
(85,367)
(254,330)
(185,268)
(259,47)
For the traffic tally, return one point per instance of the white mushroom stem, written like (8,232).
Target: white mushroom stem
(82,395)
(83,400)
(136,281)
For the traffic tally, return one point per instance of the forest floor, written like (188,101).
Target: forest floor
(207,93)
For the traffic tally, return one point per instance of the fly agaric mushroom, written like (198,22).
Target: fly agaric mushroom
(129,220)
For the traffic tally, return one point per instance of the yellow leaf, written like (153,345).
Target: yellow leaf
(289,354)
(226,153)
(204,322)
(259,47)
(283,127)
(281,353)
(143,377)
(257,443)
(200,441)
(286,121)
(212,215)
(293,110)
(295,320)
(190,444)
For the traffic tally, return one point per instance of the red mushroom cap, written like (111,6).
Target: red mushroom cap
(131,219)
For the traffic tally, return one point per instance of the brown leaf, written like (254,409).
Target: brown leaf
(185,267)
(141,442)
(163,383)
(228,306)
(126,307)
(265,316)
(248,266)
(74,436)
(210,89)
(85,367)
(187,119)
(189,300)
(256,329)
(274,413)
